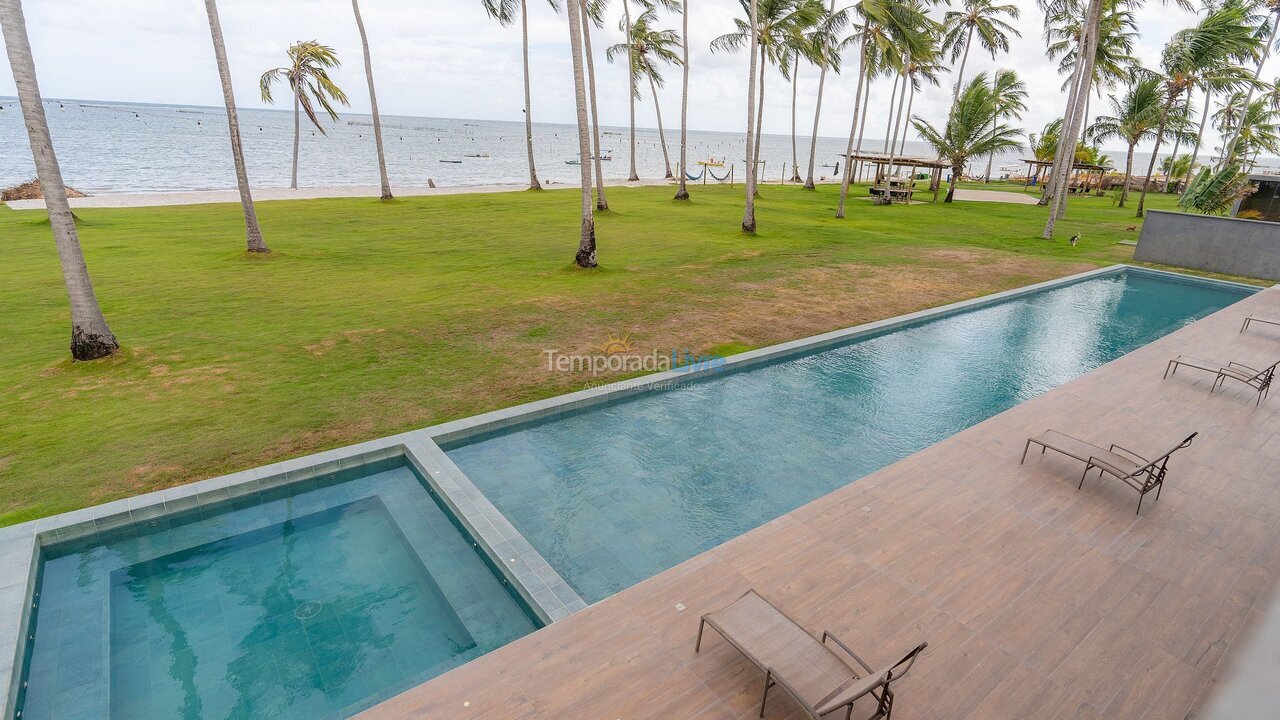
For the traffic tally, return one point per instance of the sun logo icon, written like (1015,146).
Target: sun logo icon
(617,345)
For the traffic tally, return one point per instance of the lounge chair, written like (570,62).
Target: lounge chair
(809,670)
(1255,319)
(1259,380)
(1123,464)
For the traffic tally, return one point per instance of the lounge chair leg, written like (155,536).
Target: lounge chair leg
(1158,489)
(1084,475)
(702,622)
(768,683)
(1139,510)
(848,713)
(1025,448)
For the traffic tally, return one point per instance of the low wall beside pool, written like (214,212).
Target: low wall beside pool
(1206,242)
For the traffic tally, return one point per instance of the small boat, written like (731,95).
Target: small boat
(477,155)
(605,158)
(455,162)
(572,162)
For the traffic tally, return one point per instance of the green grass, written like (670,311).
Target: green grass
(373,318)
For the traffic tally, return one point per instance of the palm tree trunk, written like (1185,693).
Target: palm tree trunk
(795,153)
(682,193)
(764,70)
(1128,173)
(853,128)
(906,120)
(631,86)
(528,99)
(1071,126)
(1049,193)
(662,134)
(749,211)
(862,124)
(1195,154)
(887,198)
(888,124)
(964,60)
(951,185)
(373,98)
(1177,145)
(602,203)
(1229,149)
(813,139)
(586,255)
(1155,153)
(297,133)
(253,234)
(90,336)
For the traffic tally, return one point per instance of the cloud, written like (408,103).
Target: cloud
(450,59)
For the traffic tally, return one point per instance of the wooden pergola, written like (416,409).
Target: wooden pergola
(884,166)
(1076,167)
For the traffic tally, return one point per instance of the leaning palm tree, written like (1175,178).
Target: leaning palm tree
(983,19)
(1134,119)
(1257,132)
(1224,35)
(919,70)
(632,91)
(682,192)
(646,48)
(1010,96)
(593,14)
(778,30)
(1270,13)
(970,130)
(373,103)
(90,336)
(1113,59)
(749,174)
(504,11)
(827,50)
(818,45)
(586,255)
(308,77)
(253,234)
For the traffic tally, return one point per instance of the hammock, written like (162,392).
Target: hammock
(717,177)
(696,177)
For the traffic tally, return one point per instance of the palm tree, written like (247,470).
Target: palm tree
(1269,36)
(632,92)
(817,45)
(586,255)
(647,46)
(1135,118)
(828,53)
(253,234)
(970,130)
(682,192)
(919,69)
(1224,35)
(90,336)
(749,175)
(373,102)
(885,32)
(1113,59)
(504,12)
(981,18)
(779,29)
(308,76)
(1010,96)
(1257,132)
(593,14)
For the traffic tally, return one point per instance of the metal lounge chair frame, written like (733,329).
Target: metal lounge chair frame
(1259,380)
(1255,319)
(843,695)
(1146,474)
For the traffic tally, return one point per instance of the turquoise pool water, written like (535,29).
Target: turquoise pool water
(309,602)
(618,493)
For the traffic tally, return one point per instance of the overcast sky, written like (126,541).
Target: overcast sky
(448,59)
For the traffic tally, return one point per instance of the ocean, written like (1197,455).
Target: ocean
(110,147)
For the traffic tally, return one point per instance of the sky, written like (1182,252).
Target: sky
(449,59)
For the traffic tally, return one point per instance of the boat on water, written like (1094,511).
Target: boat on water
(477,155)
(455,162)
(572,162)
(711,162)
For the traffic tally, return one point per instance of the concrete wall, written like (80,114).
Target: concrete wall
(1205,242)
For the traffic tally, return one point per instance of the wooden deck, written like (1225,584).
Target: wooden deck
(1037,600)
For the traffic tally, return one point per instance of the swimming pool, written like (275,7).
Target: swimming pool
(616,493)
(312,600)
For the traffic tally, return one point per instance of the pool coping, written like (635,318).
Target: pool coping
(542,588)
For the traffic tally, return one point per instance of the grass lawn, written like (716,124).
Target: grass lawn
(374,318)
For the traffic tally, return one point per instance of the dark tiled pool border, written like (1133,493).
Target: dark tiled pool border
(526,570)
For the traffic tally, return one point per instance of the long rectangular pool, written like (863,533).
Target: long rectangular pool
(617,493)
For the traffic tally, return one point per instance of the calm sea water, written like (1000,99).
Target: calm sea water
(122,147)
(614,495)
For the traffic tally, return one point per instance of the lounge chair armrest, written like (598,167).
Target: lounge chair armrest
(827,634)
(1127,451)
(1242,365)
(1109,467)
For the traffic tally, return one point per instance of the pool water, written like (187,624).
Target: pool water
(615,494)
(313,601)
